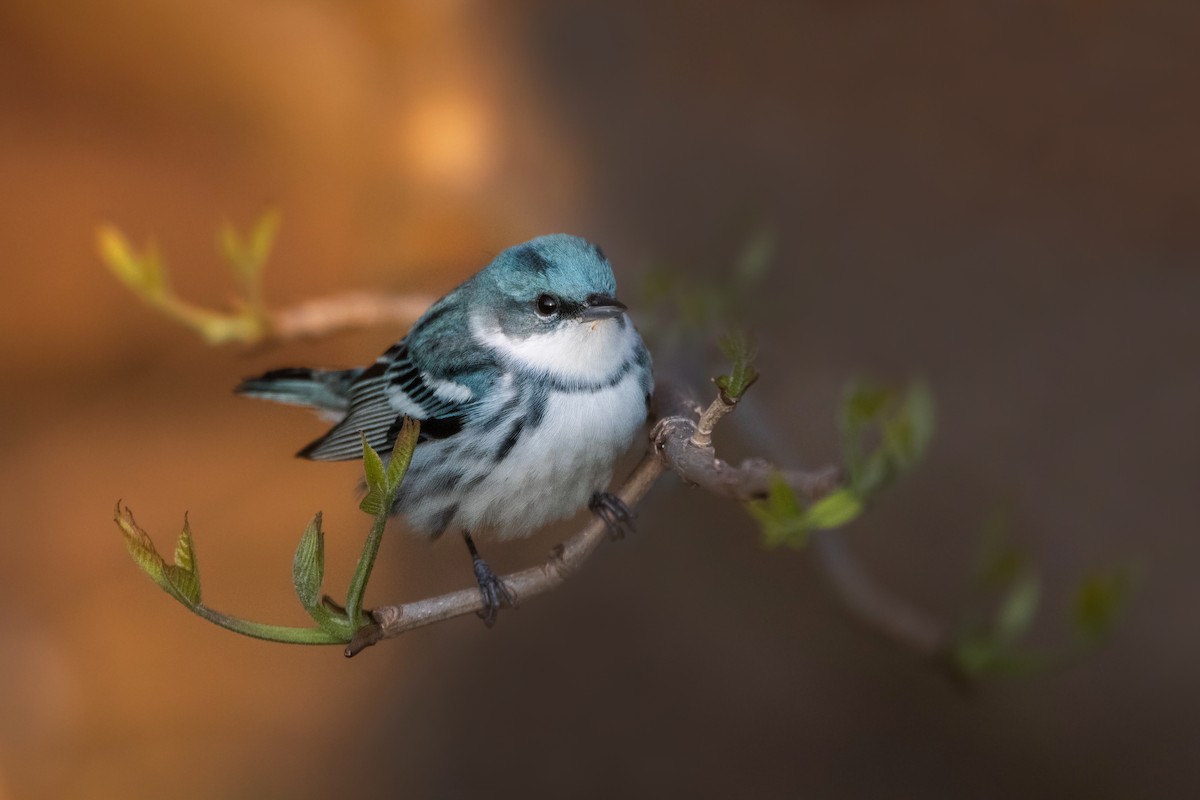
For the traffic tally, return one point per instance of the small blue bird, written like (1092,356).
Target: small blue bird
(529,381)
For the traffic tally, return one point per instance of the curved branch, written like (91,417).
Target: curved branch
(674,449)
(394,620)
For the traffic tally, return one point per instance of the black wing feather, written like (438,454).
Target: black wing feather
(379,400)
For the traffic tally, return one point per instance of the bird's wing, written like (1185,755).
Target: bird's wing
(392,388)
(437,374)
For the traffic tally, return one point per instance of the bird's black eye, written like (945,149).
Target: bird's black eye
(546,305)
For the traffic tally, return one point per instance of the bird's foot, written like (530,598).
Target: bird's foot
(617,516)
(496,594)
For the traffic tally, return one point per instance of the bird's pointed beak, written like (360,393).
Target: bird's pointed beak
(602,306)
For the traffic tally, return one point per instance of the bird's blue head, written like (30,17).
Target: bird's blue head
(547,284)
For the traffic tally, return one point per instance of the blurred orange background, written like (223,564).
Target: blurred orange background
(1002,197)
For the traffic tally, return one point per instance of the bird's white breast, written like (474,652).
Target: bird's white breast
(554,469)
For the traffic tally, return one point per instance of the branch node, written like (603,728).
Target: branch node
(556,566)
(364,637)
(664,430)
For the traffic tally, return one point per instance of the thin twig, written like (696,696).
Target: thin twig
(719,407)
(346,311)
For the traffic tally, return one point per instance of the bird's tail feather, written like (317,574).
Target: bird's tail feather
(325,390)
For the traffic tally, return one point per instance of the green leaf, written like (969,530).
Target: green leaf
(872,474)
(262,238)
(248,257)
(115,252)
(903,426)
(383,483)
(140,546)
(182,576)
(180,579)
(737,348)
(863,404)
(1018,610)
(908,430)
(402,452)
(377,489)
(143,273)
(308,565)
(372,502)
(183,584)
(977,655)
(834,510)
(185,552)
(1099,600)
(373,466)
(780,515)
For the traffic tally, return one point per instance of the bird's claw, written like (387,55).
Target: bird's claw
(617,516)
(496,594)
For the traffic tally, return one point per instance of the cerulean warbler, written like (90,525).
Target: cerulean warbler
(529,381)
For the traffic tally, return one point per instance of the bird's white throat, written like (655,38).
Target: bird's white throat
(582,351)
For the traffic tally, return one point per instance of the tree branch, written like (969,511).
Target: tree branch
(698,464)
(393,620)
(673,448)
(328,315)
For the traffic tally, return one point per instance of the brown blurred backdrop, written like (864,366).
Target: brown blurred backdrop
(1000,196)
